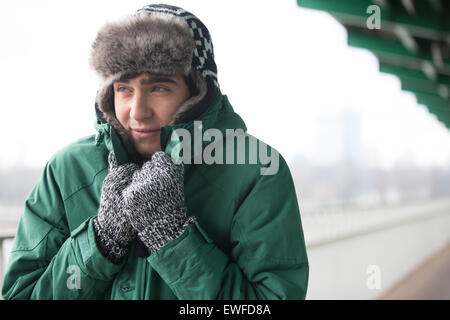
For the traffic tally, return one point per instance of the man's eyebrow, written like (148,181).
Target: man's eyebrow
(151,80)
(157,79)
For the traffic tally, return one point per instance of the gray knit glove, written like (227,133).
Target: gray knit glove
(155,204)
(114,232)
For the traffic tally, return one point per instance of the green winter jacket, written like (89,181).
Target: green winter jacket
(247,243)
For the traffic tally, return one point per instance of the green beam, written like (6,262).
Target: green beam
(391,49)
(426,25)
(402,72)
(382,3)
(416,81)
(439,115)
(436,5)
(419,86)
(398,61)
(368,40)
(442,115)
(433,101)
(443,120)
(351,7)
(411,73)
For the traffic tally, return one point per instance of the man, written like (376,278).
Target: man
(115,217)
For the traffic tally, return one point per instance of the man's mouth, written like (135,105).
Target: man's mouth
(144,133)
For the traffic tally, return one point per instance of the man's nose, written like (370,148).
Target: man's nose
(140,108)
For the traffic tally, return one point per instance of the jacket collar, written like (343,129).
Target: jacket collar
(219,115)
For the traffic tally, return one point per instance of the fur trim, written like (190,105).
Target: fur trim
(159,44)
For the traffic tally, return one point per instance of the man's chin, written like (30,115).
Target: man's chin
(147,152)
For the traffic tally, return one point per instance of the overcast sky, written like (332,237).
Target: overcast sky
(284,69)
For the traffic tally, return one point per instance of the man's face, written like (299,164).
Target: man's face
(146,103)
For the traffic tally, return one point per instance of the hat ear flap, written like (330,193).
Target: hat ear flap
(105,101)
(99,114)
(192,107)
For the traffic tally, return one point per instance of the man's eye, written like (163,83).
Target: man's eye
(159,89)
(122,89)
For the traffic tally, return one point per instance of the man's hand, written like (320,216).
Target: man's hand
(114,232)
(155,204)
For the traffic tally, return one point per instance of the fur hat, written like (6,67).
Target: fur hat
(158,39)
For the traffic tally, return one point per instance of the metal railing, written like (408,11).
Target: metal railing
(328,227)
(5,234)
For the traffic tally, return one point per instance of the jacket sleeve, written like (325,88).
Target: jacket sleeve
(268,258)
(49,262)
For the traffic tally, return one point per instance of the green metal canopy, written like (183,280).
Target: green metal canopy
(411,41)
